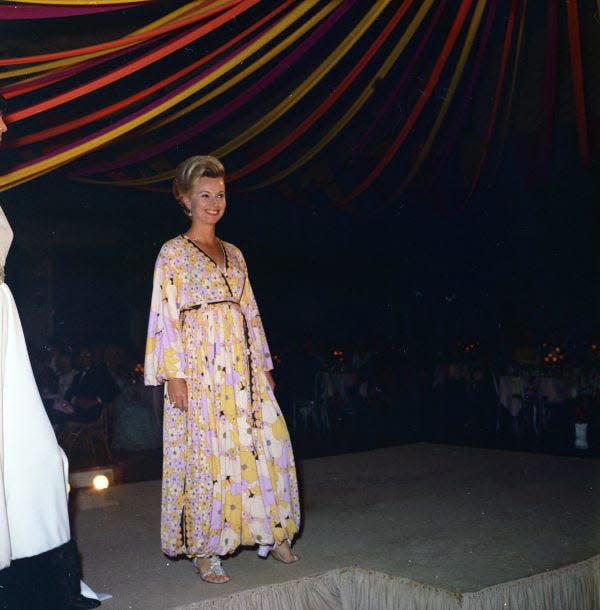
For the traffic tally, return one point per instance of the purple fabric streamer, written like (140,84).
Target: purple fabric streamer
(409,68)
(228,108)
(122,121)
(14,12)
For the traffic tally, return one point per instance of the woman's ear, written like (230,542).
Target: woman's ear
(187,204)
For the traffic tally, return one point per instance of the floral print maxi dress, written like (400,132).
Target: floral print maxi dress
(229,477)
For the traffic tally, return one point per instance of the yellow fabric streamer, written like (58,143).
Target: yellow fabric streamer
(185,11)
(52,65)
(282,46)
(359,102)
(456,76)
(289,102)
(314,79)
(23,174)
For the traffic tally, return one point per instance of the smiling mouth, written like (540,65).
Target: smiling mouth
(213,212)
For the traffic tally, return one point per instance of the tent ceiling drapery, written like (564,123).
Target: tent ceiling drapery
(372,89)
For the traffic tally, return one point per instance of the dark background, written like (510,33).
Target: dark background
(522,255)
(512,260)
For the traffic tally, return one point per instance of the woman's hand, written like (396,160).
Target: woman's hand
(270,380)
(177,393)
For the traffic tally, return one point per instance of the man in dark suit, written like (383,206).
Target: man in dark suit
(92,388)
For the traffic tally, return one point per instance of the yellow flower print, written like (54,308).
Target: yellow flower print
(151,345)
(172,363)
(248,466)
(279,429)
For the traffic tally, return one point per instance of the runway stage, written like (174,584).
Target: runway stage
(415,527)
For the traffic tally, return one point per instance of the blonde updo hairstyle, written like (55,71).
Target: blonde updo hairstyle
(188,171)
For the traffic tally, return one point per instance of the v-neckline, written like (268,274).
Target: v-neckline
(191,241)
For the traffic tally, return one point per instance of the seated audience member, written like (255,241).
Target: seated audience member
(91,389)
(119,365)
(43,373)
(66,372)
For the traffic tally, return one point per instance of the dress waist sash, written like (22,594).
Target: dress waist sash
(201,305)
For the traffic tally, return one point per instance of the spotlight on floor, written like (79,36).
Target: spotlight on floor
(101,481)
(98,478)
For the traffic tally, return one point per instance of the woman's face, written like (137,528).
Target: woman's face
(207,200)
(3,127)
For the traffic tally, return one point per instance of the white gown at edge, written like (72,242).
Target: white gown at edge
(33,468)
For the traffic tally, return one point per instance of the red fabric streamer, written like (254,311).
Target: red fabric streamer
(418,107)
(248,94)
(57,130)
(322,109)
(467,98)
(113,44)
(577,74)
(549,97)
(132,67)
(408,71)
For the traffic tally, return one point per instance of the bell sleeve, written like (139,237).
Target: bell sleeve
(255,326)
(165,358)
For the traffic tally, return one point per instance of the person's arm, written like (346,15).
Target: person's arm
(109,388)
(255,325)
(86,403)
(164,351)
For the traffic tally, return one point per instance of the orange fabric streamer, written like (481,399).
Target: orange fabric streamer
(57,130)
(113,44)
(138,64)
(33,83)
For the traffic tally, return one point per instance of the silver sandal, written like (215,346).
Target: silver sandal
(215,569)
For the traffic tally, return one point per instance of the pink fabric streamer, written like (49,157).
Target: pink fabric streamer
(14,12)
(239,101)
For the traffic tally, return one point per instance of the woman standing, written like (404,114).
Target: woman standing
(229,477)
(39,567)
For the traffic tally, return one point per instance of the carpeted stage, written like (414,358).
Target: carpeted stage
(415,527)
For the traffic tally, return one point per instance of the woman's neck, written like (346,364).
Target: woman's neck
(205,234)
